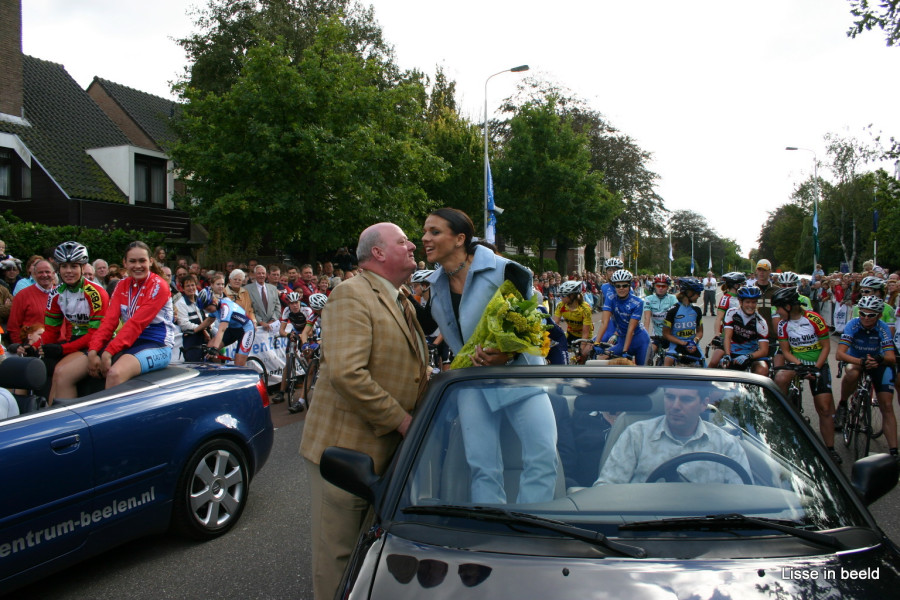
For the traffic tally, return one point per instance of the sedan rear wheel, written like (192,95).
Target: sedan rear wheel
(212,490)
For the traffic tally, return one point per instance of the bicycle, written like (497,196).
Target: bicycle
(795,387)
(658,358)
(310,351)
(214,355)
(293,372)
(862,424)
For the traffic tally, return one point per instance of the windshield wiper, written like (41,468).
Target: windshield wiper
(500,515)
(736,520)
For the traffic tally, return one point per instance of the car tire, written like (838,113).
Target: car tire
(212,490)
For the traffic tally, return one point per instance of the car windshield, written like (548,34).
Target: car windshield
(610,450)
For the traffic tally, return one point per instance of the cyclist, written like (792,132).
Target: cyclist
(745,335)
(233,325)
(789,279)
(625,311)
(608,291)
(874,286)
(803,338)
(81,304)
(656,306)
(683,325)
(867,344)
(314,314)
(294,317)
(731,283)
(576,314)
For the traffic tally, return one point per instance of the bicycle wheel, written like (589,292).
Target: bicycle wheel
(876,420)
(292,372)
(309,383)
(258,366)
(860,428)
(794,397)
(849,424)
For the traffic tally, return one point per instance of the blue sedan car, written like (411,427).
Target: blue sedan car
(174,448)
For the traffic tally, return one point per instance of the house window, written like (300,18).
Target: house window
(149,180)
(15,177)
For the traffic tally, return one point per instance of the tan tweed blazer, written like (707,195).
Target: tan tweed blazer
(369,373)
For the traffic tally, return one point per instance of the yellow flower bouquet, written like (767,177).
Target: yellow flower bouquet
(509,323)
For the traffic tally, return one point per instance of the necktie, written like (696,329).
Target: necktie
(265,301)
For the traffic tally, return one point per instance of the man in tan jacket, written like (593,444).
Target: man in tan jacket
(372,372)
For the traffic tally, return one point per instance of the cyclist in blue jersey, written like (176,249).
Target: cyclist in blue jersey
(625,311)
(608,291)
(867,344)
(656,306)
(683,326)
(234,325)
(745,335)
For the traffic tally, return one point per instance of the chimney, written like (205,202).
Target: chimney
(11,79)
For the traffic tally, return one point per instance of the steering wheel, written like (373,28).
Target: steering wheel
(668,471)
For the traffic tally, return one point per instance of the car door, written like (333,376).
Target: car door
(46,488)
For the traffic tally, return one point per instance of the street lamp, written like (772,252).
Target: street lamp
(815,204)
(487,165)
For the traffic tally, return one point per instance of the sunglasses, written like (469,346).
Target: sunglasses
(866,292)
(621,286)
(867,315)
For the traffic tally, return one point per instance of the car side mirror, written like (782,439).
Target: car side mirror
(352,471)
(874,476)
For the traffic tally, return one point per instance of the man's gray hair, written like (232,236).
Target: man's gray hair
(369,239)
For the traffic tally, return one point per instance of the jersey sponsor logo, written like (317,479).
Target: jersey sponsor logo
(94,298)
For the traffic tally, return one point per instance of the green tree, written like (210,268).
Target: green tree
(229,29)
(306,151)
(887,202)
(545,178)
(885,17)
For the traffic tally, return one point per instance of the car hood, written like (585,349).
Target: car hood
(408,569)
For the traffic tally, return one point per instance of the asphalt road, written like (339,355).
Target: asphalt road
(267,554)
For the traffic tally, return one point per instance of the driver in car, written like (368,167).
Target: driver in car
(647,444)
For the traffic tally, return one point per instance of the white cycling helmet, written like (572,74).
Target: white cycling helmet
(622,275)
(613,263)
(317,301)
(421,275)
(789,278)
(293,297)
(875,283)
(71,252)
(873,303)
(569,287)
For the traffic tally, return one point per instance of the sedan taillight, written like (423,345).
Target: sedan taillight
(263,392)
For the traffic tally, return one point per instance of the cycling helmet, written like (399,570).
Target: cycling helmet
(421,275)
(317,301)
(205,297)
(873,303)
(662,279)
(690,284)
(293,297)
(786,297)
(734,279)
(789,278)
(875,283)
(622,275)
(569,287)
(71,252)
(613,263)
(749,292)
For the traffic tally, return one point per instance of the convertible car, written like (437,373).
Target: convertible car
(174,448)
(675,483)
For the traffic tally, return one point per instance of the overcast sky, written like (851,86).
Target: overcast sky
(715,90)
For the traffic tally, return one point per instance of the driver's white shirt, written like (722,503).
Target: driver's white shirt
(645,445)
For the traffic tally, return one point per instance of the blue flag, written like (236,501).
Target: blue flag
(491,230)
(815,225)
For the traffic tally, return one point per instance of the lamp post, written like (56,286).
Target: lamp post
(487,166)
(815,204)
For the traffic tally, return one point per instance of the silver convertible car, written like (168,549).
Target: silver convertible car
(662,483)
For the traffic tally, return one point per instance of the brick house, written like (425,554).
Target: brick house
(89,158)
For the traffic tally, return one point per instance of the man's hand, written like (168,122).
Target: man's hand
(404,425)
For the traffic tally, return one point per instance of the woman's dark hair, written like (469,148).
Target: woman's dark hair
(459,223)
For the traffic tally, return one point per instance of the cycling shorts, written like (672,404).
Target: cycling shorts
(822,383)
(244,336)
(677,352)
(152,356)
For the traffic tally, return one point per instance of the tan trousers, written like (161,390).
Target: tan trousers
(337,518)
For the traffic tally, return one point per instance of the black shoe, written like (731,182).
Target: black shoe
(835,456)
(840,416)
(277,398)
(297,407)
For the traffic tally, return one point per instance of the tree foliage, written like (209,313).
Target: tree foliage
(295,143)
(884,16)
(545,179)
